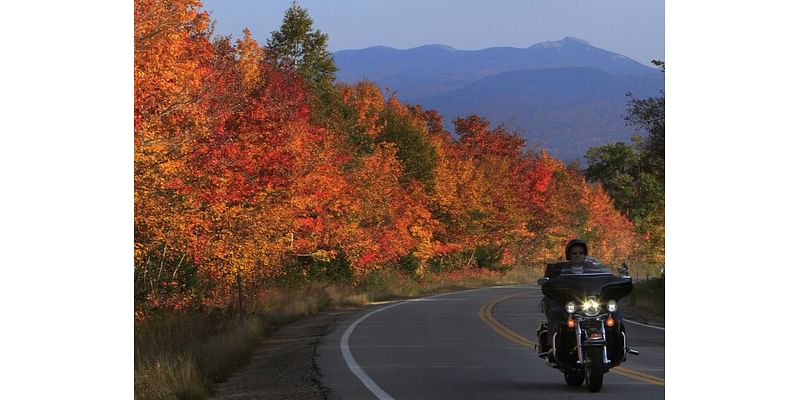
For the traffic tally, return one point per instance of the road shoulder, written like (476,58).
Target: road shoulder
(636,315)
(283,367)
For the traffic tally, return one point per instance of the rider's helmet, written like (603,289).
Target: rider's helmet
(576,242)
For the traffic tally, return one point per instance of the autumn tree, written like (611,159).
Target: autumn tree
(361,115)
(252,169)
(612,236)
(242,174)
(173,70)
(476,189)
(218,136)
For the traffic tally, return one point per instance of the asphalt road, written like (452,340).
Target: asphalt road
(475,344)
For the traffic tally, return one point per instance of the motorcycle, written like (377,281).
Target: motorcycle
(593,340)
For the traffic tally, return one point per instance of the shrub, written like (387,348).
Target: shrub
(649,296)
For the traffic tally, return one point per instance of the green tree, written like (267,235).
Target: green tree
(625,177)
(297,45)
(414,148)
(647,116)
(634,175)
(301,47)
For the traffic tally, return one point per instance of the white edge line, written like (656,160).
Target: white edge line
(649,326)
(351,362)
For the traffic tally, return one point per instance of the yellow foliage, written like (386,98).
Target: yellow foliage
(367,100)
(251,55)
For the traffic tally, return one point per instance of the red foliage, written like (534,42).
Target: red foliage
(232,175)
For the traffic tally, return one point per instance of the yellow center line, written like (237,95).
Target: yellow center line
(485,315)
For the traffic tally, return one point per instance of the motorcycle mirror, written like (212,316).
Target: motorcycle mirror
(542,281)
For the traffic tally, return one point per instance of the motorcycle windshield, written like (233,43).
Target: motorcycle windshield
(579,287)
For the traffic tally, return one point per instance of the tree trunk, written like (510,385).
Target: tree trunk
(161,267)
(469,262)
(241,300)
(175,273)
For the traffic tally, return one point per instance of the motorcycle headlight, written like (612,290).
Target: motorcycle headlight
(591,307)
(612,306)
(571,307)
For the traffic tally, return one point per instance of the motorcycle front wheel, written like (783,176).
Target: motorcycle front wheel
(574,378)
(594,370)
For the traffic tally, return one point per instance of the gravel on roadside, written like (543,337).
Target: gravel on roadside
(283,366)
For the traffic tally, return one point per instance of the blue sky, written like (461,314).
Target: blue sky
(634,28)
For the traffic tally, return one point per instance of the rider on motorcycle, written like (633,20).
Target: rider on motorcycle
(576,253)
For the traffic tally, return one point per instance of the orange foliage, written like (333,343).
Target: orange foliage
(367,101)
(172,69)
(613,236)
(234,181)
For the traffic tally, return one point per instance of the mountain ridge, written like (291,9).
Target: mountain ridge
(564,95)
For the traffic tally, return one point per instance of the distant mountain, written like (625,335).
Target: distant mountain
(433,69)
(566,95)
(565,110)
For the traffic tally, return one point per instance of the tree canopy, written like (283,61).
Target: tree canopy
(634,175)
(253,169)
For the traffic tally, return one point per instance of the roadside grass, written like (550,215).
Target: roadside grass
(182,356)
(648,296)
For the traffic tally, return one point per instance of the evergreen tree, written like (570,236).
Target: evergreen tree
(301,47)
(298,46)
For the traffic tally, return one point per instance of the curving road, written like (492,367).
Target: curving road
(475,344)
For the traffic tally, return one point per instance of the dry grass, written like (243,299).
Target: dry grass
(346,297)
(221,354)
(169,377)
(180,357)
